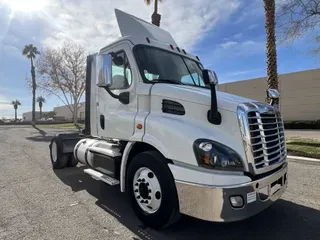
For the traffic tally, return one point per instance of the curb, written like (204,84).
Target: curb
(304,159)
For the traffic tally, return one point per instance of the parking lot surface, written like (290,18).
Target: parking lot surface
(37,202)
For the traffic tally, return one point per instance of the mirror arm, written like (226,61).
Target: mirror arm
(109,91)
(213,115)
(123,97)
(272,102)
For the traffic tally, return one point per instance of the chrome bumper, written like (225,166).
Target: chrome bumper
(212,203)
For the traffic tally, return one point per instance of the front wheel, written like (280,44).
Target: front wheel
(152,190)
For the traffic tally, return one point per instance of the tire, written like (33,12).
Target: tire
(58,159)
(72,161)
(165,214)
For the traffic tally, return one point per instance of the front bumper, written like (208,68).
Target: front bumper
(212,203)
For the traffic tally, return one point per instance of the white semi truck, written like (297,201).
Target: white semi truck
(156,126)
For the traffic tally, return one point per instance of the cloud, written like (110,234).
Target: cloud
(238,36)
(254,9)
(10,50)
(244,48)
(94,24)
(252,26)
(7,110)
(4,104)
(10,39)
(242,72)
(228,44)
(250,11)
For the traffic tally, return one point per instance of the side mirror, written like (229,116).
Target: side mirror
(274,95)
(210,77)
(104,70)
(104,76)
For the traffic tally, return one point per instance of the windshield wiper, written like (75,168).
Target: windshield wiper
(166,81)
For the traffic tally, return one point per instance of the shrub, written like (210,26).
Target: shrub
(302,124)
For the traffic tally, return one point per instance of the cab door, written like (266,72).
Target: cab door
(116,119)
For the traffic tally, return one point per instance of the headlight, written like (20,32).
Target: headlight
(214,155)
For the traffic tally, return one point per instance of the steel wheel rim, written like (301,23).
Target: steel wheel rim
(54,152)
(147,190)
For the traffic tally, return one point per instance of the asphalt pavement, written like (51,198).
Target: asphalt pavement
(315,134)
(37,202)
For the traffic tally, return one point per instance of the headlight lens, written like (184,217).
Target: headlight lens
(214,155)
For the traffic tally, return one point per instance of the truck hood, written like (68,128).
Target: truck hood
(198,95)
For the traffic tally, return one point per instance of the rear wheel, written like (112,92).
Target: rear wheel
(152,190)
(58,159)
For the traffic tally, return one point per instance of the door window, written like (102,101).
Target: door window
(193,78)
(121,71)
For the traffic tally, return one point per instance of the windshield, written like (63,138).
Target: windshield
(157,65)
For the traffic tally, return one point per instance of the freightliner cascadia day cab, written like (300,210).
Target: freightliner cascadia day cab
(156,126)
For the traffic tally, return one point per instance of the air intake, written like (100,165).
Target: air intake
(172,107)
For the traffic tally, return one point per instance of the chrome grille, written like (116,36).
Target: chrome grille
(263,134)
(267,138)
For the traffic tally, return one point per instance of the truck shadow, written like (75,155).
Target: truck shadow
(283,220)
(40,138)
(47,136)
(43,133)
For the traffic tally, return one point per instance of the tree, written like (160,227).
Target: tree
(30,52)
(15,104)
(41,100)
(63,74)
(297,17)
(155,17)
(272,73)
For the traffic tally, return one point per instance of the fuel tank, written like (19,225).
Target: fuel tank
(100,155)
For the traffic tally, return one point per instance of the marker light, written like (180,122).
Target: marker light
(236,201)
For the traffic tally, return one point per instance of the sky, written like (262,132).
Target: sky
(228,36)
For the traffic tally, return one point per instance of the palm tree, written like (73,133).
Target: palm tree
(15,104)
(30,52)
(41,100)
(155,17)
(272,73)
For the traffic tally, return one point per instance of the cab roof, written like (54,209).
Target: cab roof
(130,25)
(138,31)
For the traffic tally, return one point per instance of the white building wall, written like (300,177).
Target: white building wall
(299,93)
(27,116)
(64,112)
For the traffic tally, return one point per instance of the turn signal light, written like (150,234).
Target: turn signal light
(206,158)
